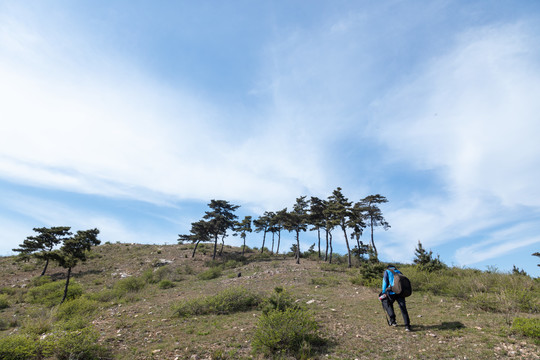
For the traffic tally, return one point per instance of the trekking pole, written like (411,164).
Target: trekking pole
(382,297)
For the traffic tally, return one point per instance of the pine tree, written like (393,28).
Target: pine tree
(425,260)
(73,250)
(340,207)
(316,217)
(41,246)
(200,231)
(242,228)
(374,214)
(262,223)
(277,223)
(296,220)
(220,219)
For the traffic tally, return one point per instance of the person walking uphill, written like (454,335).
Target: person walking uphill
(392,291)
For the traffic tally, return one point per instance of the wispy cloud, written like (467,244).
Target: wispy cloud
(500,243)
(473,121)
(114,131)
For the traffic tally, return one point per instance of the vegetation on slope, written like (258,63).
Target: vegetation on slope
(117,308)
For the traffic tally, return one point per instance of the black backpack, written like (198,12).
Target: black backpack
(402,285)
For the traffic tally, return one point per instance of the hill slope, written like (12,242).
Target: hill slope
(135,319)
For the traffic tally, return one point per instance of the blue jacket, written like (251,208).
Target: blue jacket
(388,280)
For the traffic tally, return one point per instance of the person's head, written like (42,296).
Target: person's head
(390,266)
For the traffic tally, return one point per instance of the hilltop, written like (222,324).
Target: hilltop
(131,292)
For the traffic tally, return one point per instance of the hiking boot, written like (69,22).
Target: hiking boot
(408,328)
(394,324)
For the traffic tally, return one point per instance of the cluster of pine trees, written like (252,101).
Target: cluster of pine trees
(74,247)
(322,215)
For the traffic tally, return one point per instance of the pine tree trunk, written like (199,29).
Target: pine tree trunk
(373,242)
(45,268)
(273,233)
(319,236)
(264,240)
(331,249)
(278,241)
(298,247)
(222,245)
(326,251)
(244,246)
(67,284)
(215,247)
(348,247)
(195,248)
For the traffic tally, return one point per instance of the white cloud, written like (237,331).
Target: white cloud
(103,127)
(474,116)
(500,243)
(473,119)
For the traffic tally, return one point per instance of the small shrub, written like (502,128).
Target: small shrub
(77,307)
(165,284)
(527,327)
(40,280)
(8,291)
(37,322)
(232,264)
(29,267)
(484,301)
(333,267)
(51,293)
(148,276)
(292,332)
(325,281)
(162,273)
(212,273)
(76,344)
(19,347)
(226,302)
(129,284)
(188,270)
(4,304)
(279,300)
(106,295)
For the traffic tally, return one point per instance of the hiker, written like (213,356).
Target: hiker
(388,297)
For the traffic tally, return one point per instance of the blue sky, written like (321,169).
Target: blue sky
(130,116)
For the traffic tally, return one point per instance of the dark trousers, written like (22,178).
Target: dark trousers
(388,304)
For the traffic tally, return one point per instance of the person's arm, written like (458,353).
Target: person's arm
(385,281)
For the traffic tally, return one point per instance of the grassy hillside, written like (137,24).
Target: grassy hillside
(132,301)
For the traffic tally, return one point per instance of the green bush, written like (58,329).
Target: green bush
(333,267)
(4,303)
(325,281)
(40,280)
(212,273)
(129,284)
(155,276)
(489,291)
(82,307)
(226,302)
(51,293)
(292,332)
(279,300)
(19,347)
(8,291)
(527,327)
(106,295)
(188,270)
(76,344)
(37,322)
(165,284)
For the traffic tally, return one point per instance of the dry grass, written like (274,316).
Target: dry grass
(141,324)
